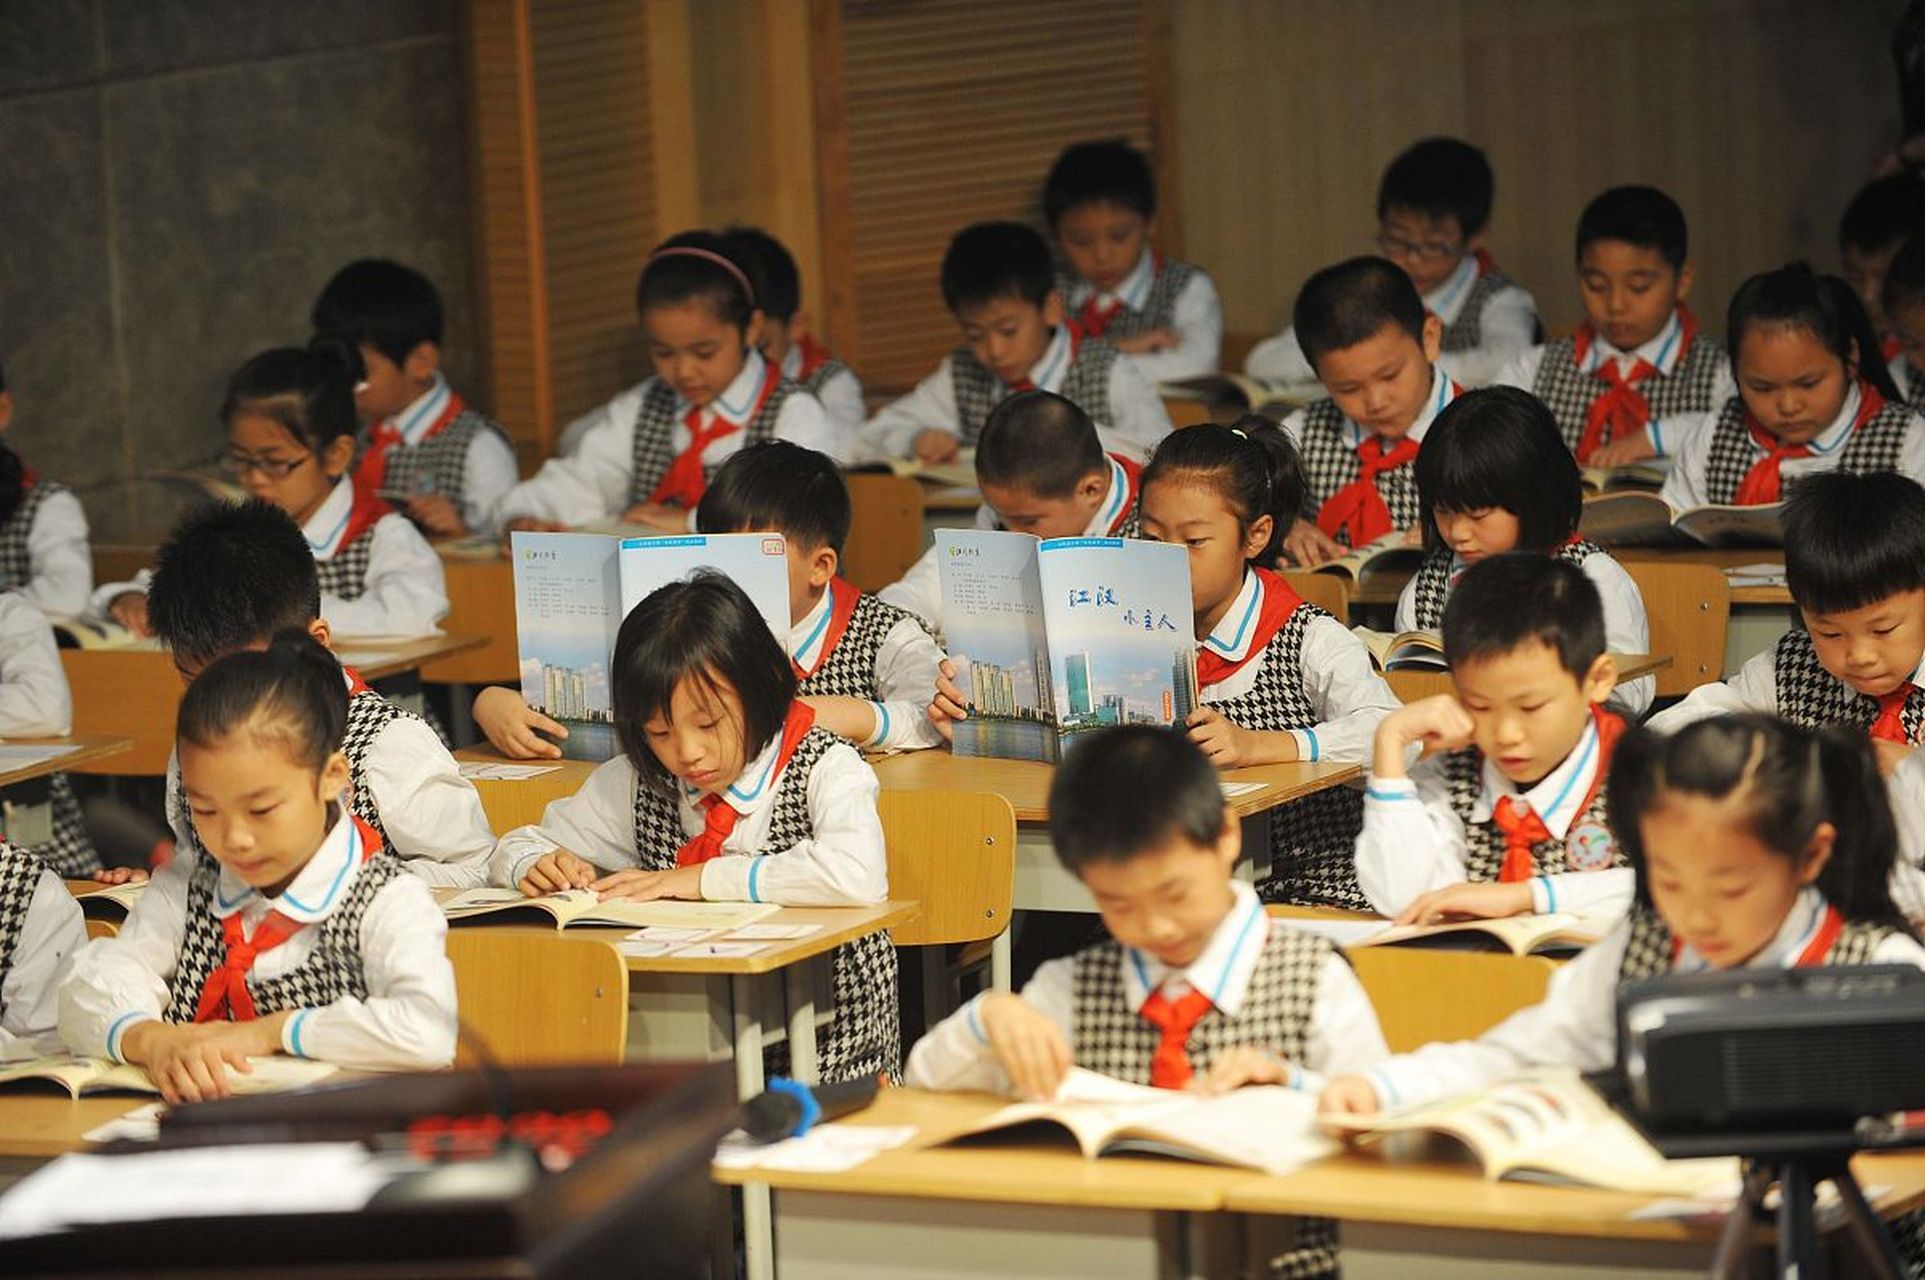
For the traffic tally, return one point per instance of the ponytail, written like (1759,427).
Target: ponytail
(1794,296)
(1857,878)
(1250,464)
(291,692)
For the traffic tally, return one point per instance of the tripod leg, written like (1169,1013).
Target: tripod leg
(1868,1229)
(1734,1242)
(1794,1221)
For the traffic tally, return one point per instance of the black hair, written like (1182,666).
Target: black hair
(1904,279)
(1440,177)
(772,269)
(307,391)
(776,484)
(1502,603)
(1110,172)
(1641,216)
(992,260)
(1796,297)
(1786,780)
(13,472)
(1349,303)
(1126,791)
(1252,466)
(230,576)
(670,279)
(1885,211)
(290,692)
(1852,540)
(1500,447)
(381,304)
(704,629)
(1040,443)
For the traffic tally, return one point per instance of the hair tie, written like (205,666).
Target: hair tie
(707,255)
(1238,433)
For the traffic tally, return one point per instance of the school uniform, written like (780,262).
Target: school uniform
(35,702)
(438,444)
(44,553)
(379,576)
(798,827)
(1488,321)
(1627,629)
(1359,485)
(40,930)
(648,444)
(1158,293)
(958,396)
(354,946)
(1734,461)
(817,370)
(852,645)
(1909,380)
(1456,818)
(1669,387)
(1787,680)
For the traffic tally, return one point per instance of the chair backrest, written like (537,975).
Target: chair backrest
(955,853)
(1423,995)
(101,928)
(534,996)
(1325,590)
(885,535)
(1689,606)
(130,693)
(522,802)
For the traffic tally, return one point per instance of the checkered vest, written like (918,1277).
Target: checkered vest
(655,424)
(16,565)
(1431,583)
(1811,696)
(1875,446)
(866,1038)
(345,573)
(1912,383)
(1648,952)
(1086,384)
(1467,330)
(1159,304)
(1329,464)
(1463,772)
(333,971)
(822,375)
(849,671)
(1568,391)
(70,853)
(443,456)
(19,880)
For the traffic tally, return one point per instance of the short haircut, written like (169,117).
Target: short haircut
(307,391)
(1111,172)
(670,279)
(992,260)
(1852,540)
(1641,216)
(1131,790)
(1506,602)
(704,629)
(1885,211)
(1251,465)
(1440,177)
(291,692)
(231,576)
(1351,302)
(1040,443)
(772,269)
(380,304)
(1500,447)
(1824,306)
(1904,280)
(778,485)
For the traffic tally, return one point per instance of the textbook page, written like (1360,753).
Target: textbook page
(756,562)
(568,607)
(992,625)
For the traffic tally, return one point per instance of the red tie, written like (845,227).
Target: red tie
(1170,1065)
(715,829)
(1762,484)
(1522,828)
(1619,410)
(1890,725)
(1358,506)
(1095,318)
(224,996)
(685,480)
(372,472)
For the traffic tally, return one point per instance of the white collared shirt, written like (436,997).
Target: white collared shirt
(1353,435)
(1685,488)
(60,563)
(34,699)
(405,592)
(487,474)
(906,668)
(1344,1037)
(1197,318)
(841,395)
(50,935)
(1901,370)
(406,1023)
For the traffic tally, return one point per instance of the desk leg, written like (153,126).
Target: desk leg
(758,1238)
(797,980)
(999,961)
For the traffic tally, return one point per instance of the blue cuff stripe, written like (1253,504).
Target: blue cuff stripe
(882,722)
(974,1021)
(1311,734)
(1376,792)
(294,1032)
(118,1028)
(755,869)
(1387,1095)
(1550,893)
(1657,438)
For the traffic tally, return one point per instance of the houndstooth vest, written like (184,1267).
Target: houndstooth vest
(1329,464)
(16,565)
(1811,696)
(1912,383)
(655,424)
(1874,446)
(1567,391)
(1648,952)
(1463,772)
(19,881)
(345,573)
(824,373)
(1086,384)
(1159,304)
(865,1038)
(442,457)
(1467,330)
(849,669)
(1431,583)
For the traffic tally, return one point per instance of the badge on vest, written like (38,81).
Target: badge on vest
(1590,846)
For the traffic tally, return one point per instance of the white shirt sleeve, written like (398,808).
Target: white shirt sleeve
(407,1023)
(1911,455)
(34,698)
(1753,688)
(892,432)
(1907,789)
(919,590)
(1506,329)
(51,934)
(433,815)
(1279,358)
(1349,697)
(406,593)
(1411,842)
(486,477)
(122,981)
(841,398)
(589,480)
(105,595)
(1674,434)
(801,420)
(62,573)
(841,863)
(956,1056)
(1405,618)
(596,824)
(1684,486)
(1138,419)
(1626,630)
(1521,372)
(1344,1037)
(1198,321)
(906,669)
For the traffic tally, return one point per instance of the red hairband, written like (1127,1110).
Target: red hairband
(707,255)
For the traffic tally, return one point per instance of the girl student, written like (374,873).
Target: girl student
(645,457)
(727,790)
(295,936)
(44,554)
(1495,475)
(1813,395)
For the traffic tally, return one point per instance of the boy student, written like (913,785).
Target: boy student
(1510,817)
(1432,208)
(1100,199)
(443,463)
(1879,219)
(999,282)
(1637,376)
(44,553)
(1903,299)
(786,339)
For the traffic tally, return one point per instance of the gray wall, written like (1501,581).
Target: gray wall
(181,177)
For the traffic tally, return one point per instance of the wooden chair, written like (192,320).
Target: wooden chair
(954,852)
(1325,590)
(1689,606)
(533,996)
(1423,995)
(130,693)
(481,602)
(885,536)
(521,803)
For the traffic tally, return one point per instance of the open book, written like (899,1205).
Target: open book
(1549,1126)
(960,474)
(1403,651)
(1261,1127)
(80,1076)
(1390,554)
(1644,520)
(581,906)
(110,902)
(1557,931)
(1259,395)
(92,633)
(1648,475)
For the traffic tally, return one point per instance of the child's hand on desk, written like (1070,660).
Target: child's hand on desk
(658,515)
(129,609)
(1029,1046)
(647,886)
(1245,1064)
(1225,743)
(1349,1096)
(437,515)
(1439,723)
(933,446)
(513,727)
(189,1063)
(949,704)
(1891,754)
(120,875)
(1618,453)
(1149,340)
(1308,546)
(1468,902)
(554,872)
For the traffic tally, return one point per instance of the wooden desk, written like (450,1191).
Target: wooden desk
(521,803)
(1722,557)
(81,750)
(37,1124)
(383,657)
(481,602)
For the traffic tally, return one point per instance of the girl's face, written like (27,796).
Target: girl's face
(699,738)
(1723,892)
(259,811)
(1791,382)
(1472,535)
(695,351)
(1187,509)
(274,465)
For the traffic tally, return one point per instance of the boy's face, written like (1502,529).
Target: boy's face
(387,388)
(1168,900)
(1908,326)
(1876,648)
(1383,382)
(1865,269)
(1022,510)
(1629,291)
(1103,242)
(1009,334)
(1527,712)
(1720,889)
(259,811)
(1427,246)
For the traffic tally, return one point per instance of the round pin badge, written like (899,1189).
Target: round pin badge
(1590,846)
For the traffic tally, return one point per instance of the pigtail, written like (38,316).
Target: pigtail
(1287,486)
(1857,878)
(1864,338)
(1822,305)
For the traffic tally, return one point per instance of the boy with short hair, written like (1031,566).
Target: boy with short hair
(1511,816)
(786,340)
(999,282)
(1433,206)
(1637,378)
(1879,219)
(1100,199)
(1903,298)
(443,463)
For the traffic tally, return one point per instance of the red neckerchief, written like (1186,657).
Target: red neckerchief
(367,511)
(28,477)
(814,356)
(1621,410)
(1610,727)
(1280,600)
(842,607)
(1888,348)
(1095,320)
(684,482)
(1815,950)
(371,473)
(1485,263)
(1359,506)
(1763,483)
(356,685)
(1025,383)
(1132,490)
(721,815)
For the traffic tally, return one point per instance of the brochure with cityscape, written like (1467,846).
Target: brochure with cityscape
(1053,640)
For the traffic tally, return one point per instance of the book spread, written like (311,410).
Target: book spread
(110,902)
(585,907)
(1259,395)
(1649,474)
(1632,519)
(1390,554)
(96,633)
(1404,650)
(81,1076)
(1556,931)
(960,474)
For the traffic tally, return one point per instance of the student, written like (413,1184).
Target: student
(999,283)
(646,455)
(446,465)
(44,554)
(1432,208)
(40,930)
(786,340)
(1806,401)
(1100,199)
(36,703)
(1510,816)
(726,790)
(294,936)
(1637,378)
(1195,987)
(1495,476)
(231,577)
(1880,218)
(1042,470)
(1903,300)
(1375,351)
